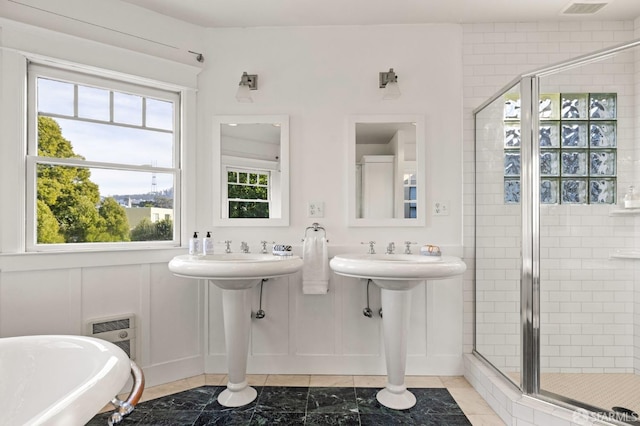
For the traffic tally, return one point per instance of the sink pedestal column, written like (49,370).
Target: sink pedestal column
(236,307)
(396,306)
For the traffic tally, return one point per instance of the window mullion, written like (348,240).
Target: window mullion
(144,112)
(75,100)
(111,106)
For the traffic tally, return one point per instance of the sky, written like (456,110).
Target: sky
(112,143)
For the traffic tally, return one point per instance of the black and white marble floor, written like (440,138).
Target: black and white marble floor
(289,405)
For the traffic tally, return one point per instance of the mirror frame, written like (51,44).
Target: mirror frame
(218,120)
(354,221)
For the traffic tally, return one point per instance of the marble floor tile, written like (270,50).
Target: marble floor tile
(331,419)
(288,380)
(470,401)
(485,420)
(215,379)
(227,418)
(255,379)
(423,382)
(369,381)
(283,399)
(331,381)
(332,400)
(193,399)
(455,382)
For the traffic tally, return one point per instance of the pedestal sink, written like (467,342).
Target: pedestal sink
(236,275)
(396,275)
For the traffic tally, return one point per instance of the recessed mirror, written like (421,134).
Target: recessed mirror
(386,170)
(251,180)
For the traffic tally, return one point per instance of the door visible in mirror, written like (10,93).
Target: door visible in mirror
(386,157)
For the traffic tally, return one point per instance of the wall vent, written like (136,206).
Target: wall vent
(119,330)
(583,8)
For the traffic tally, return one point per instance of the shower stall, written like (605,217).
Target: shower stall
(557,254)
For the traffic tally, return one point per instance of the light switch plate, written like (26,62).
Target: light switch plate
(441,208)
(315,209)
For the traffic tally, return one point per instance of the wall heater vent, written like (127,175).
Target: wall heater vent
(119,330)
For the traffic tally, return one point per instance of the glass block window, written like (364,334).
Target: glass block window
(578,157)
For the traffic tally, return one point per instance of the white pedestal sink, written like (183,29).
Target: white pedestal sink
(396,275)
(236,275)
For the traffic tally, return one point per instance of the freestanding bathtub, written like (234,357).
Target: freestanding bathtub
(58,380)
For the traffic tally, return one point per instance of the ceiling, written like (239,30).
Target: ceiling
(257,13)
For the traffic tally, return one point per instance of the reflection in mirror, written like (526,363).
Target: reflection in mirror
(253,186)
(386,171)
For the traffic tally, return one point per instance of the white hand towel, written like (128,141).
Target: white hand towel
(315,270)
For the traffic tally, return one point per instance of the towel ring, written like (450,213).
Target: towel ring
(315,227)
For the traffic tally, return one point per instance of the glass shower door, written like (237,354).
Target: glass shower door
(588,333)
(498,233)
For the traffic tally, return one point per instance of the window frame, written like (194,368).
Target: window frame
(247,170)
(35,70)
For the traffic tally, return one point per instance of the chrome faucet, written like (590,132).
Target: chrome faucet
(228,244)
(244,247)
(372,249)
(264,247)
(407,248)
(390,248)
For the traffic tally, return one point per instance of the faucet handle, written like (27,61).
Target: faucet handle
(264,247)
(407,249)
(372,249)
(227,243)
(391,247)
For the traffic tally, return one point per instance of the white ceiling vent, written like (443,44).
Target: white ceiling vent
(583,8)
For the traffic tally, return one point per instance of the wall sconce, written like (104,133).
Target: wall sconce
(247,82)
(389,81)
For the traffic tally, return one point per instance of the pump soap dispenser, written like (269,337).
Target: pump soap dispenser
(194,244)
(207,244)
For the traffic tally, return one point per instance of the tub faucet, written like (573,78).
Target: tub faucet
(228,244)
(390,248)
(244,247)
(264,247)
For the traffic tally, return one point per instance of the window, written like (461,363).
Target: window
(410,195)
(248,193)
(577,137)
(102,160)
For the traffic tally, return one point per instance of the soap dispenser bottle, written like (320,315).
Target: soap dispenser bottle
(194,244)
(631,199)
(207,244)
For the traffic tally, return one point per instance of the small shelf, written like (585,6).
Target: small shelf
(625,254)
(625,212)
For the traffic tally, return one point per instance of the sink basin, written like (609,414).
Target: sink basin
(397,271)
(234,270)
(396,275)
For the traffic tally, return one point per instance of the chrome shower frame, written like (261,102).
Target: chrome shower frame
(530,214)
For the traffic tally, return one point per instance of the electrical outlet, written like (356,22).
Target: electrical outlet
(441,208)
(315,209)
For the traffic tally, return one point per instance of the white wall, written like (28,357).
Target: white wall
(57,293)
(320,76)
